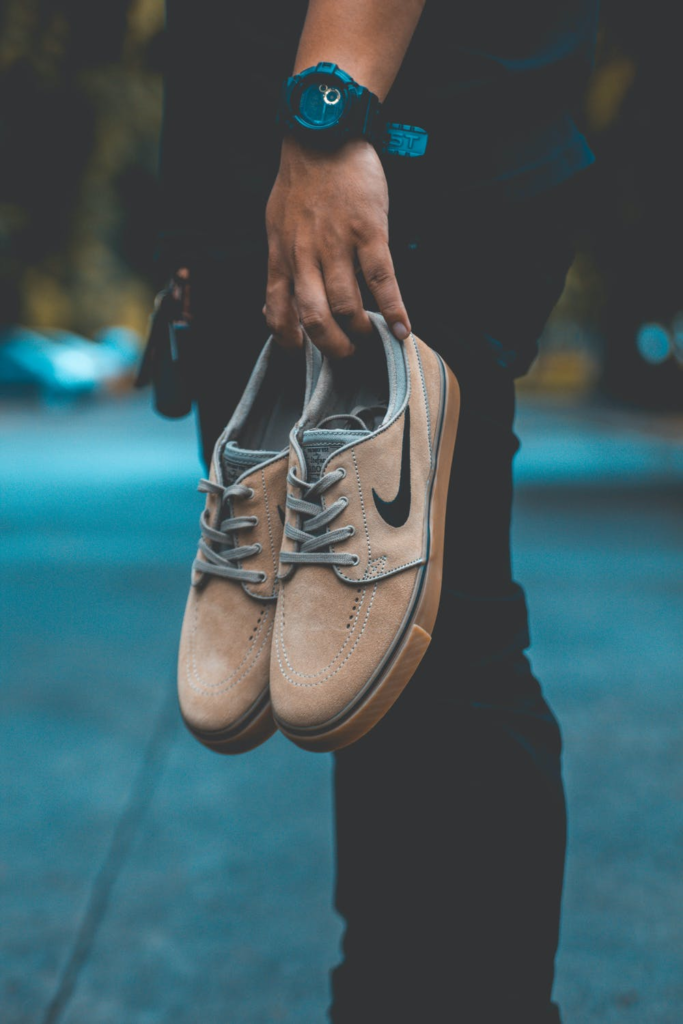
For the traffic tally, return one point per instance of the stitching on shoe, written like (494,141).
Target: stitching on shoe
(287,544)
(354,579)
(267,515)
(349,638)
(272,594)
(322,679)
(212,688)
(367,574)
(377,566)
(420,559)
(406,565)
(424,393)
(372,436)
(362,502)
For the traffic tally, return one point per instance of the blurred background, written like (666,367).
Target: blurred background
(143,878)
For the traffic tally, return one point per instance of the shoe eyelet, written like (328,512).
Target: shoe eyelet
(259,549)
(342,472)
(254,520)
(356,560)
(351,531)
(264,577)
(250,493)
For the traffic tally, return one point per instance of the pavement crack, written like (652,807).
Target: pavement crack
(141,793)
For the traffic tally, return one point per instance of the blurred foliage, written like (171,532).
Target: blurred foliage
(637,214)
(629,268)
(80,103)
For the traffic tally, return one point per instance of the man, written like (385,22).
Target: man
(450,813)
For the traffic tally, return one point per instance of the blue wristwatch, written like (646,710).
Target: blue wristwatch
(323,107)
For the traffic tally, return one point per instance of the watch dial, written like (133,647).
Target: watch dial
(321,105)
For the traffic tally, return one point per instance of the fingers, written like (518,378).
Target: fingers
(280,310)
(344,297)
(378,270)
(315,312)
(326,301)
(298,298)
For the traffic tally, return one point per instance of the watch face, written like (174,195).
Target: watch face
(321,105)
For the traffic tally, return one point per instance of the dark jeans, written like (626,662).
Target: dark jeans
(450,814)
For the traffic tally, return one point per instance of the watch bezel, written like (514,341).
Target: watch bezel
(321,78)
(354,119)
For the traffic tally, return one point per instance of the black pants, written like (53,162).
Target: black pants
(450,814)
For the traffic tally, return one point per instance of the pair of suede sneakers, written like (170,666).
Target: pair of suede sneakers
(317,581)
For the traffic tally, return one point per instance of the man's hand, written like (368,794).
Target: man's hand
(327,217)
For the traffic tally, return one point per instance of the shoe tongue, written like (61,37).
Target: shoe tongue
(318,445)
(236,461)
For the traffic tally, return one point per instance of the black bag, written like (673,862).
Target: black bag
(167,362)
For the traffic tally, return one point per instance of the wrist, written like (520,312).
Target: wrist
(295,151)
(299,161)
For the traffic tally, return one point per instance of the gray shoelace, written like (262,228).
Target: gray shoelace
(310,541)
(309,538)
(225,561)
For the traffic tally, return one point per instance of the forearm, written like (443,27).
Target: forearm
(367,38)
(328,213)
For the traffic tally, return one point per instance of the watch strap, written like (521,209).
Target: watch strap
(402,140)
(371,114)
(363,118)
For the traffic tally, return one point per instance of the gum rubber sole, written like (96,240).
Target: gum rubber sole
(258,728)
(417,631)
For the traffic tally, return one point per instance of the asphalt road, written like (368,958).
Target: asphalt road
(144,880)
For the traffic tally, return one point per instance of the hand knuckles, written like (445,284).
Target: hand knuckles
(276,324)
(312,319)
(277,291)
(278,316)
(379,274)
(344,306)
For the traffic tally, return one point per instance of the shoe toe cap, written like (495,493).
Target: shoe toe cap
(328,648)
(223,664)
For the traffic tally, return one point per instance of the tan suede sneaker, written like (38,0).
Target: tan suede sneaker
(361,561)
(224,660)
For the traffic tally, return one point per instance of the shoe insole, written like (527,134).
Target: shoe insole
(361,381)
(277,405)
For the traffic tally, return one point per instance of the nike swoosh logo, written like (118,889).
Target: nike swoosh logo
(281,514)
(396,511)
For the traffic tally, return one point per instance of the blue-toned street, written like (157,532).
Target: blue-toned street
(144,879)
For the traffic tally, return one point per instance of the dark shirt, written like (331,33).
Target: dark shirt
(497,84)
